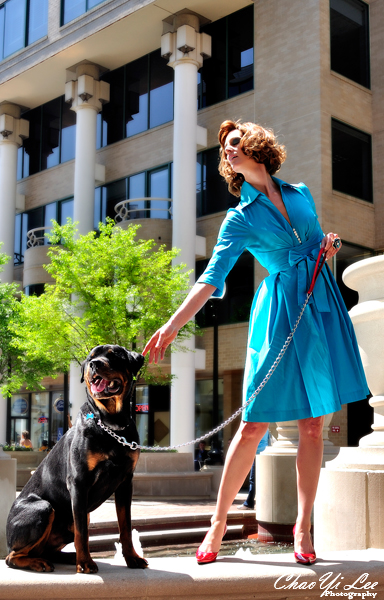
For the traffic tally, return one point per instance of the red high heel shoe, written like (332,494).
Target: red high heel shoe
(207,557)
(302,558)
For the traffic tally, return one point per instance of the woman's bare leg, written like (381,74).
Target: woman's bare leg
(308,465)
(241,454)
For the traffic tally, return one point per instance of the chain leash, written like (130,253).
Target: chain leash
(136,446)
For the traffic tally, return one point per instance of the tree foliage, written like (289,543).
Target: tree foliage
(108,288)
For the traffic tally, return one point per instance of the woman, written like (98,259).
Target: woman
(24,440)
(321,370)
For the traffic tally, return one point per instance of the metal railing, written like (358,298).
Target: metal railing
(142,208)
(36,237)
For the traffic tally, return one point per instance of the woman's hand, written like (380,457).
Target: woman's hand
(164,336)
(327,243)
(160,341)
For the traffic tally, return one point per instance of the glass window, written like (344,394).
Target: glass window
(17,245)
(240,54)
(57,421)
(159,188)
(142,409)
(73,9)
(161,91)
(204,413)
(68,133)
(65,211)
(351,161)
(214,70)
(136,189)
(212,191)
(113,111)
(350,39)
(236,304)
(229,71)
(115,192)
(38,20)
(14,26)
(39,418)
(21,23)
(32,145)
(2,19)
(50,214)
(136,97)
(50,151)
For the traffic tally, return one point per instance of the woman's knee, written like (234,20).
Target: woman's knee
(249,430)
(311,428)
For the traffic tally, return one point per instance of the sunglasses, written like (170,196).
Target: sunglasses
(234,142)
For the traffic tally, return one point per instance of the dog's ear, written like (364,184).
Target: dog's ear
(135,361)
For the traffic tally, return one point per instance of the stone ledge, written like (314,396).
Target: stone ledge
(251,577)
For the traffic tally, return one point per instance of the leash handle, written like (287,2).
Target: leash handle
(318,267)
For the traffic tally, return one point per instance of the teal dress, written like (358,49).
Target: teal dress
(321,370)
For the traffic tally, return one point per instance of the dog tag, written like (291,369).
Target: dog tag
(90,416)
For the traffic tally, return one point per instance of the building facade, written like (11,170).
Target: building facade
(112,109)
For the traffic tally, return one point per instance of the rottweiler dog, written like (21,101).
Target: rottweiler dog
(82,470)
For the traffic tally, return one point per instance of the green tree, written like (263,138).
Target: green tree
(108,288)
(13,363)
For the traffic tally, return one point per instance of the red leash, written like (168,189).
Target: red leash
(318,267)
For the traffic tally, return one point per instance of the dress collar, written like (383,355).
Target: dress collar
(249,193)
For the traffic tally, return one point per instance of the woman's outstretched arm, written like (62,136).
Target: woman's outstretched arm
(164,336)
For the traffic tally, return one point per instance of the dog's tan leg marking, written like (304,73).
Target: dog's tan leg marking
(20,559)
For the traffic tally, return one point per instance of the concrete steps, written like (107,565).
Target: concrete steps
(172,529)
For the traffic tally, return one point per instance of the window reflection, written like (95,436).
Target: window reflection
(349,22)
(212,191)
(236,304)
(351,161)
(229,71)
(73,9)
(68,133)
(38,20)
(159,187)
(136,189)
(136,100)
(50,149)
(22,22)
(14,26)
(113,111)
(161,91)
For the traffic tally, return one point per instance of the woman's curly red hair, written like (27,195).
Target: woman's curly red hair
(256,141)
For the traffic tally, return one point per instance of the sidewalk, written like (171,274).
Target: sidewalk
(143,508)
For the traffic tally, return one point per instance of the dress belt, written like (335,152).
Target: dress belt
(304,257)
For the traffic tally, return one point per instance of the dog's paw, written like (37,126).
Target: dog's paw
(87,566)
(136,562)
(40,565)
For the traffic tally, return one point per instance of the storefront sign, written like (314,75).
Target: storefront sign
(58,404)
(141,408)
(20,407)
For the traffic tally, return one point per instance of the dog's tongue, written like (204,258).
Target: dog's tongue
(99,386)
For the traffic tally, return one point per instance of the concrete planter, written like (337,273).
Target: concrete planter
(351,486)
(7,496)
(367,278)
(27,461)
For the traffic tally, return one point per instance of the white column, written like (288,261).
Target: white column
(185,48)
(13,130)
(87,95)
(84,186)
